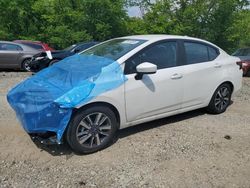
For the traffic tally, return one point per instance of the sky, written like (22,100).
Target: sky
(134,12)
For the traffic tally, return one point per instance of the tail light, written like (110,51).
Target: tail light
(240,64)
(243,63)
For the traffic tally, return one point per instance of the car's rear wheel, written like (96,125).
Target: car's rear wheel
(26,65)
(221,99)
(92,129)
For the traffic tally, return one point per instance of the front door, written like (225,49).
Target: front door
(155,93)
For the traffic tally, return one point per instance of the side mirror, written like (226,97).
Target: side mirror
(145,68)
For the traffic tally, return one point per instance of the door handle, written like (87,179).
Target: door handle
(217,65)
(176,76)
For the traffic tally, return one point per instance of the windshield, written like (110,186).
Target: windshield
(70,48)
(242,52)
(114,49)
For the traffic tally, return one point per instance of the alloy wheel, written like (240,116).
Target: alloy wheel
(222,98)
(93,129)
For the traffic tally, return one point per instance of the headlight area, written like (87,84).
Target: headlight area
(39,58)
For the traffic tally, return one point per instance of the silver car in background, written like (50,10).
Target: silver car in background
(15,56)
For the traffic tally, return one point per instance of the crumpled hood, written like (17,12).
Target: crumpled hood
(45,101)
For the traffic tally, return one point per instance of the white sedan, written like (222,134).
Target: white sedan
(161,75)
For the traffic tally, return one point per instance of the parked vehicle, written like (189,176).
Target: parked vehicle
(41,46)
(41,60)
(15,56)
(123,82)
(244,55)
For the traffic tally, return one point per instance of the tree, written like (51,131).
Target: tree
(212,19)
(62,22)
(239,31)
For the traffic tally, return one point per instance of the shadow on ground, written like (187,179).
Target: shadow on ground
(158,123)
(65,150)
(11,70)
(55,149)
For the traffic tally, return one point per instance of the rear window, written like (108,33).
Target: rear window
(35,46)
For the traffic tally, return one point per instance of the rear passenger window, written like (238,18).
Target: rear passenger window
(196,53)
(35,46)
(212,53)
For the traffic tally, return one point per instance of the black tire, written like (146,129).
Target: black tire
(80,129)
(221,99)
(53,62)
(25,65)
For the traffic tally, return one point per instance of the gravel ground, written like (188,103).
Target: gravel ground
(194,149)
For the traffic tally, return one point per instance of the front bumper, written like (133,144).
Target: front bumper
(37,65)
(36,109)
(48,138)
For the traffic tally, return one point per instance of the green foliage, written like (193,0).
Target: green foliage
(218,21)
(239,31)
(64,22)
(136,26)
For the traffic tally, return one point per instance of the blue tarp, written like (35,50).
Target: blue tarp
(44,102)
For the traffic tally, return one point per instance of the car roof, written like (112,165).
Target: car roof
(29,41)
(89,42)
(8,42)
(158,37)
(25,47)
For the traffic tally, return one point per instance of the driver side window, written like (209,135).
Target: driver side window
(162,54)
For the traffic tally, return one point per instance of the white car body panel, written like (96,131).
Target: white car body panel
(159,95)
(140,95)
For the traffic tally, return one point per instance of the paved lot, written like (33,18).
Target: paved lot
(187,150)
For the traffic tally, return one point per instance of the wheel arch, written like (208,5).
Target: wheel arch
(229,83)
(213,91)
(112,107)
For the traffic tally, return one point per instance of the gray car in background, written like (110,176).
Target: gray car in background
(15,56)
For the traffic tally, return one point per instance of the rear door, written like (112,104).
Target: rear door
(202,70)
(9,55)
(157,93)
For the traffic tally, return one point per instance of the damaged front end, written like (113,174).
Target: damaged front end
(44,102)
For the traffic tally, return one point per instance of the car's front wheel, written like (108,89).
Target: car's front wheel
(92,129)
(221,99)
